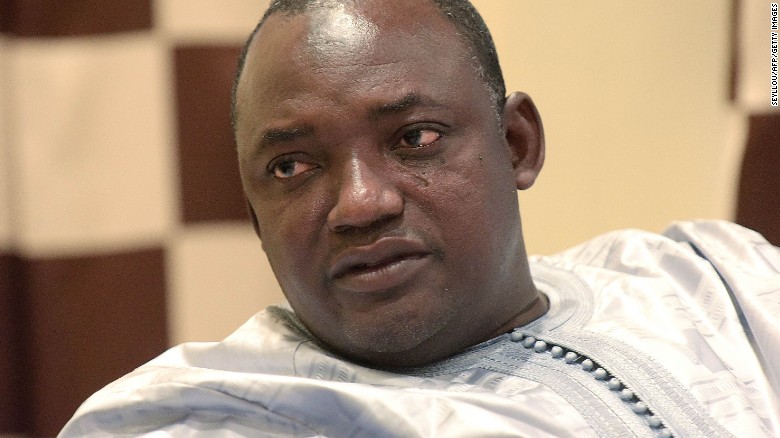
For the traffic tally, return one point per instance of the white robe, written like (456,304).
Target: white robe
(683,326)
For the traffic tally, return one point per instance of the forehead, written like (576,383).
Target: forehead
(346,25)
(372,36)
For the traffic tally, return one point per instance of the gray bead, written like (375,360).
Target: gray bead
(529,342)
(600,374)
(654,422)
(516,336)
(614,384)
(570,357)
(556,351)
(639,407)
(665,433)
(587,364)
(626,394)
(540,346)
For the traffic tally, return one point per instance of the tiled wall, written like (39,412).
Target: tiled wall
(119,190)
(122,224)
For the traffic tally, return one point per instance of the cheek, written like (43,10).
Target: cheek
(289,230)
(479,188)
(465,202)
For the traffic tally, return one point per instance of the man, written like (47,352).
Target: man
(380,160)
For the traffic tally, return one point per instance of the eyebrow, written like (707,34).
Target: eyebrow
(284,135)
(274,136)
(403,104)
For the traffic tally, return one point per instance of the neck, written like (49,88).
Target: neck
(536,308)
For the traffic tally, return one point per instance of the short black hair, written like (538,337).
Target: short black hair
(461,13)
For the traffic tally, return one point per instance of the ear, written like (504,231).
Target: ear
(253,218)
(525,138)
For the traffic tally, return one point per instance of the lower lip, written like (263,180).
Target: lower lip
(384,277)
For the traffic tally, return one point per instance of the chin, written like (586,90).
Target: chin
(388,344)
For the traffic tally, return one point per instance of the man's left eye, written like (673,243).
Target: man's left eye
(420,137)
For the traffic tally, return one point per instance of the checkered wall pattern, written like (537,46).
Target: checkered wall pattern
(118,171)
(115,139)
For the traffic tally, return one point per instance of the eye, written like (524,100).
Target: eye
(420,138)
(286,169)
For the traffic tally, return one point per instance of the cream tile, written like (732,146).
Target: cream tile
(91,132)
(218,278)
(207,19)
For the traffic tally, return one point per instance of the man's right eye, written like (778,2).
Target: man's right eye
(290,168)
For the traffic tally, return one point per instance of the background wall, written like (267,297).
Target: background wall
(122,226)
(634,97)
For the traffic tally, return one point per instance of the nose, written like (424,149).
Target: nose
(365,197)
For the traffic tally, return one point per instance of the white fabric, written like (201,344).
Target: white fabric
(652,310)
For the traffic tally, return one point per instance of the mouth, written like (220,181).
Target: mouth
(382,265)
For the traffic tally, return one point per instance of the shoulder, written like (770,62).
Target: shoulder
(728,245)
(715,271)
(682,245)
(272,333)
(194,376)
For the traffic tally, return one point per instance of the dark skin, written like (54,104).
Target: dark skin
(383,181)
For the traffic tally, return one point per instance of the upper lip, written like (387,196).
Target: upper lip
(383,250)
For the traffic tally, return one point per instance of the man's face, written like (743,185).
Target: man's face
(381,180)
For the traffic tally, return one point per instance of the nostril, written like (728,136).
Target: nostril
(375,223)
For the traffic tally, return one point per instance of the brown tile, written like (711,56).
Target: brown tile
(13,362)
(6,6)
(50,18)
(91,320)
(758,202)
(209,178)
